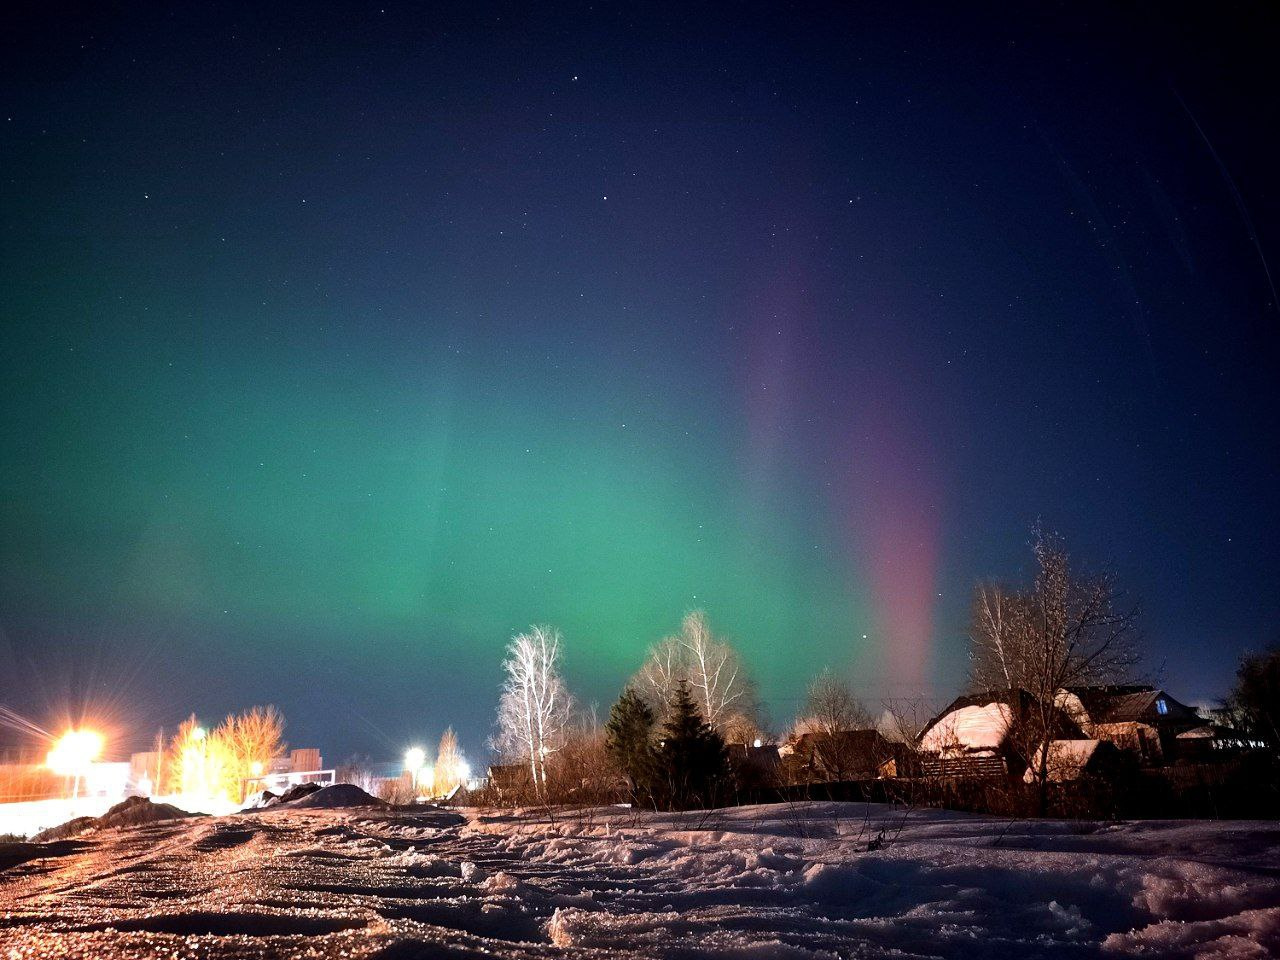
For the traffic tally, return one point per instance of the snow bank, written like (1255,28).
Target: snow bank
(943,884)
(790,881)
(26,818)
(1251,935)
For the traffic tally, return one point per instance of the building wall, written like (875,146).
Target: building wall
(29,781)
(305,759)
(1141,738)
(145,766)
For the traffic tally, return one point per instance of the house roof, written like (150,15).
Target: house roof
(972,722)
(868,741)
(1209,731)
(969,727)
(1021,698)
(1129,704)
(1068,759)
(845,753)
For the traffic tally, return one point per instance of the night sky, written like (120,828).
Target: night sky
(341,341)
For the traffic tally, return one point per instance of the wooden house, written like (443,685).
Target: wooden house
(976,736)
(1140,718)
(843,755)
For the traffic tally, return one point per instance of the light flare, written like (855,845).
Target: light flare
(74,753)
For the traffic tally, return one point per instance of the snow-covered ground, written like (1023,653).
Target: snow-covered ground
(28,817)
(809,880)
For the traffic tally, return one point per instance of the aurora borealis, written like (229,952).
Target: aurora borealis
(342,342)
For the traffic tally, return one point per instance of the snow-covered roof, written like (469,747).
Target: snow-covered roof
(969,729)
(1123,704)
(1210,731)
(1067,759)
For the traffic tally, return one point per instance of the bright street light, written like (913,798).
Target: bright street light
(73,755)
(415,758)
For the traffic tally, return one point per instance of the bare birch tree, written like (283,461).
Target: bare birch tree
(717,678)
(535,708)
(831,712)
(1065,631)
(663,669)
(832,707)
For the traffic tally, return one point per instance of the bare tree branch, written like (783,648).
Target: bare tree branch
(715,673)
(535,707)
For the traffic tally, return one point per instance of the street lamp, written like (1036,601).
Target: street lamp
(73,755)
(415,758)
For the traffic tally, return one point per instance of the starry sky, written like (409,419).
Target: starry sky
(341,341)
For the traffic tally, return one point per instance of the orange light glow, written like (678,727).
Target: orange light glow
(75,752)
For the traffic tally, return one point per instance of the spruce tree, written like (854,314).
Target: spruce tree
(693,756)
(629,743)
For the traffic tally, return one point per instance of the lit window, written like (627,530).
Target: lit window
(1162,706)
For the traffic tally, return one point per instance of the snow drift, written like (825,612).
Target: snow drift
(810,880)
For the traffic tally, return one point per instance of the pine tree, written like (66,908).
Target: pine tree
(629,743)
(693,755)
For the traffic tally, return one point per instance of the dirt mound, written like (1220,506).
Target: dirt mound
(338,795)
(137,810)
(294,793)
(128,813)
(71,828)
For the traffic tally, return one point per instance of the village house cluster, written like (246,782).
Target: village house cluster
(987,735)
